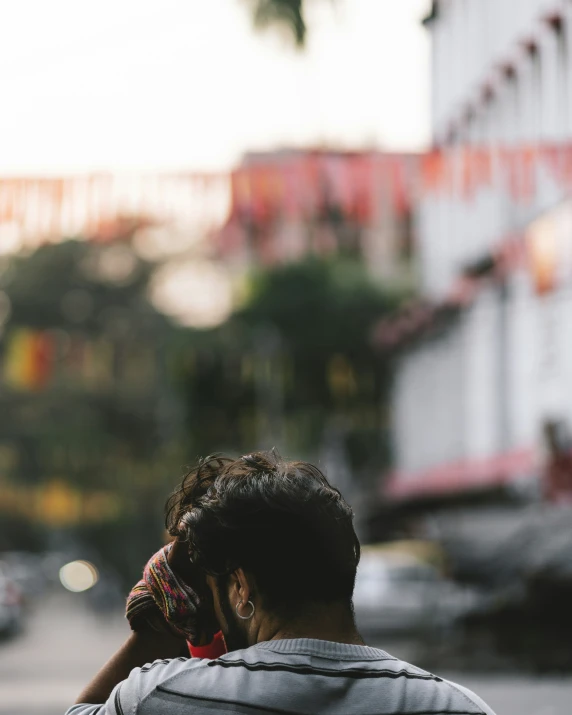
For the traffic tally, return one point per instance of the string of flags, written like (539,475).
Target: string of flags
(362,185)
(36,360)
(420,319)
(306,184)
(362,188)
(464,171)
(297,185)
(36,210)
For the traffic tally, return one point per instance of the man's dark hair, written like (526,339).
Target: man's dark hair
(280,521)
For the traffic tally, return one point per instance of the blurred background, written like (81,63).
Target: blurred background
(338,227)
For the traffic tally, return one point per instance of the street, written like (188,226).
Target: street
(43,670)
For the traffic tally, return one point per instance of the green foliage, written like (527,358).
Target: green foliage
(322,307)
(84,291)
(120,436)
(294,364)
(294,361)
(75,284)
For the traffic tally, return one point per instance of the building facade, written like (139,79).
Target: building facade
(470,403)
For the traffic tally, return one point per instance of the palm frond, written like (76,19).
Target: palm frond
(289,13)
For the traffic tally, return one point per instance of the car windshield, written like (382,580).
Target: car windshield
(377,569)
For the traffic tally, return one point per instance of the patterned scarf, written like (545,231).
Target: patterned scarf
(179,604)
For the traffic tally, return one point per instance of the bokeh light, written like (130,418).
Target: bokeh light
(78,576)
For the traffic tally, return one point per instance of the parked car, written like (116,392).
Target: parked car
(27,571)
(399,592)
(11,603)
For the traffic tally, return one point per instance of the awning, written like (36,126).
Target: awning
(459,477)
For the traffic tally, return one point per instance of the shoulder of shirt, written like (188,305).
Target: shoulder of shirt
(472,697)
(144,681)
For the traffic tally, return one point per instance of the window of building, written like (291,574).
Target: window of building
(563,40)
(512,118)
(534,108)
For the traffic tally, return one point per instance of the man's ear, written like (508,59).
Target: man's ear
(233,588)
(244,590)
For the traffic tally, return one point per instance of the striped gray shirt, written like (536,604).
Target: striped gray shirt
(290,677)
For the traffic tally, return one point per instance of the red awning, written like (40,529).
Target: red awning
(461,477)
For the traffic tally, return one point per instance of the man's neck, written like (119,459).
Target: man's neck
(331,623)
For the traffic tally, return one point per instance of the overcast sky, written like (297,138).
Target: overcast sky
(158,84)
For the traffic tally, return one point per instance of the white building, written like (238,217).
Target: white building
(469,405)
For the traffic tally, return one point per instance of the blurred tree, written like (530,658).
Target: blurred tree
(86,291)
(78,284)
(286,13)
(295,365)
(103,420)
